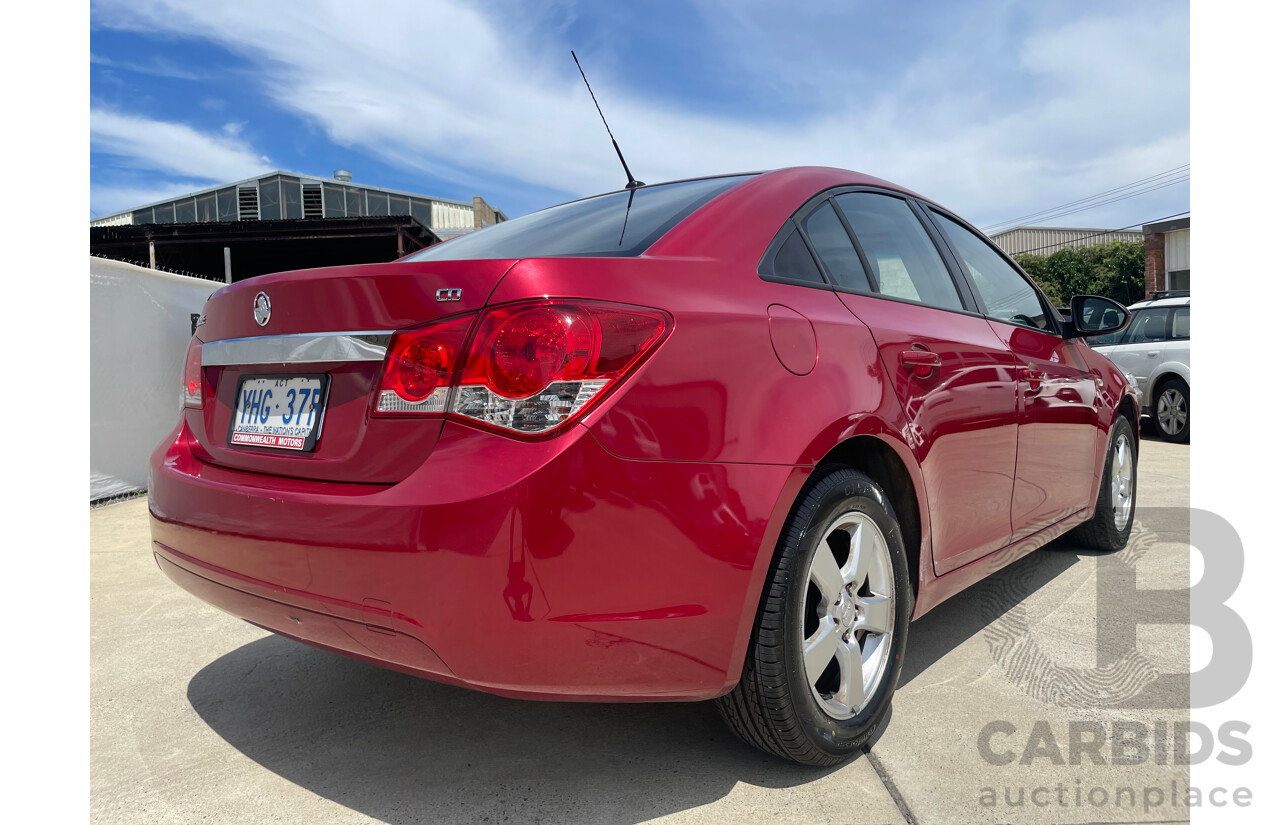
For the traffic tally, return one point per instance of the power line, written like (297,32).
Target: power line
(1103,232)
(1180,170)
(1059,212)
(1115,199)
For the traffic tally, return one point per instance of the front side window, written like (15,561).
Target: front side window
(1009,297)
(904,261)
(833,246)
(620,224)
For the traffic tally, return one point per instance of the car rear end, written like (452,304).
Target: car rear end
(396,462)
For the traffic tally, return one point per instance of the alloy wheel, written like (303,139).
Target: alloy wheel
(1122,472)
(1171,411)
(848,615)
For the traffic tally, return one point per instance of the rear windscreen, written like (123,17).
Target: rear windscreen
(621,224)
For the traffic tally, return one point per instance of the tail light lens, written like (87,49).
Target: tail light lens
(420,365)
(192,378)
(530,367)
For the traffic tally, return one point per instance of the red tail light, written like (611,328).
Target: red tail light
(192,377)
(530,367)
(534,367)
(529,347)
(420,364)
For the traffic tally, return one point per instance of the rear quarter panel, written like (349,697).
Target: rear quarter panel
(717,393)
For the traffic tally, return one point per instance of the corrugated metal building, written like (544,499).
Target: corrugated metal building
(1045,240)
(282,220)
(290,196)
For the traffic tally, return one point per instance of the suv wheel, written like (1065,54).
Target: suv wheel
(827,649)
(1173,410)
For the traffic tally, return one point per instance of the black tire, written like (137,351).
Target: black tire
(1101,531)
(773,707)
(1176,393)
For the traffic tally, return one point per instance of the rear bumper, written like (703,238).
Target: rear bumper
(548,569)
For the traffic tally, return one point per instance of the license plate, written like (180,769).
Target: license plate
(280,412)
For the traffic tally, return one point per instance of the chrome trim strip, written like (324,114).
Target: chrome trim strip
(302,348)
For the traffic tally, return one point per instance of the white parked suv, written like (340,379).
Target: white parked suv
(1156,349)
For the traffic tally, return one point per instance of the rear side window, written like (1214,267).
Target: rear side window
(1009,296)
(904,261)
(835,249)
(793,261)
(1181,323)
(621,224)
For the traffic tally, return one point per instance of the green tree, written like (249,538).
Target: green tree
(1115,270)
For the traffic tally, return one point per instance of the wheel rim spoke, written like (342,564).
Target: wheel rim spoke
(825,573)
(852,689)
(877,614)
(819,648)
(859,559)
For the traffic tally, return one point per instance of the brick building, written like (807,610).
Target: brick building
(1168,246)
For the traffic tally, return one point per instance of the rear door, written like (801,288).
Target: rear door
(1058,401)
(953,376)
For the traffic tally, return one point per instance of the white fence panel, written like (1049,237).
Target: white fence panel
(139,328)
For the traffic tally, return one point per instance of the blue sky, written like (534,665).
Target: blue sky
(995,109)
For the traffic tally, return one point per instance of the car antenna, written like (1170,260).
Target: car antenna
(632,183)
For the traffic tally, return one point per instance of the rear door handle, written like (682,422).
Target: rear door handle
(920,361)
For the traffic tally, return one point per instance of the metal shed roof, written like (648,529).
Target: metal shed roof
(304,178)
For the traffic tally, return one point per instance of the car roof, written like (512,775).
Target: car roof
(1163,302)
(756,209)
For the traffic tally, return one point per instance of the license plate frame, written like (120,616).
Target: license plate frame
(278,441)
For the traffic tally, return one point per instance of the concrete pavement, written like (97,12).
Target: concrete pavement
(199,717)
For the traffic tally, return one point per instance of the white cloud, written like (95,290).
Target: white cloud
(173,148)
(156,67)
(103,200)
(449,91)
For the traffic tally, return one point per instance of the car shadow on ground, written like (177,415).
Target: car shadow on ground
(972,610)
(407,750)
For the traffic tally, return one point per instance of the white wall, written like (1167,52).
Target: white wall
(139,328)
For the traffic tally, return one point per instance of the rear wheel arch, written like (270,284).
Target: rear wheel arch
(881,462)
(1158,382)
(866,444)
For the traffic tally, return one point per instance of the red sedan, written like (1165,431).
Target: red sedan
(712,439)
